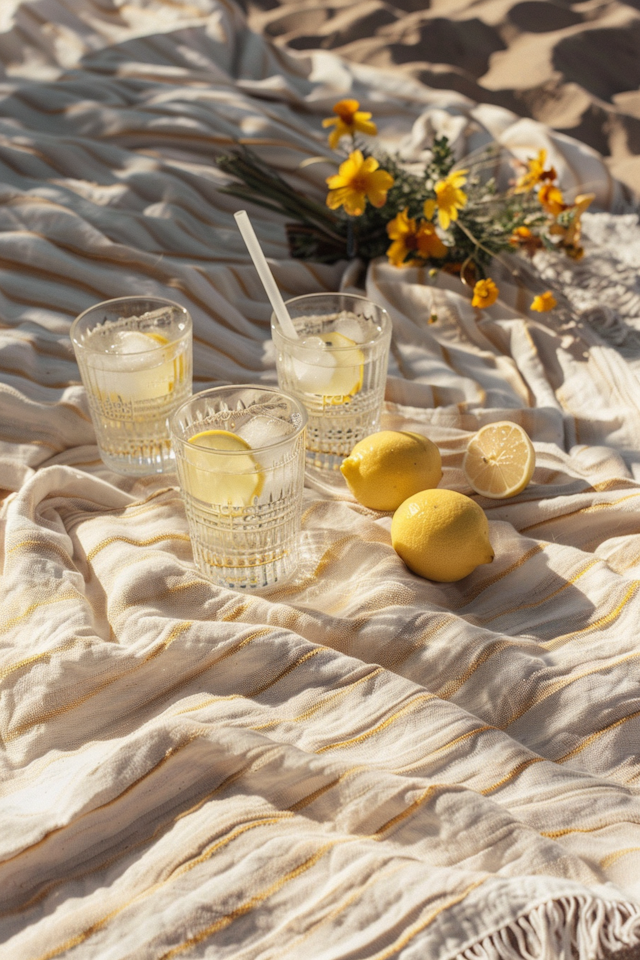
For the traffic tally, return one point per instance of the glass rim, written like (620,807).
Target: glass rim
(274,391)
(385,319)
(135,298)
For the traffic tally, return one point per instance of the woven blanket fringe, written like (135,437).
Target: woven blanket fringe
(568,928)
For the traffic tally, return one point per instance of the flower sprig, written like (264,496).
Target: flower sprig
(445,216)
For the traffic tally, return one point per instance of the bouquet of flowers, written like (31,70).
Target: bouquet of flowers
(445,216)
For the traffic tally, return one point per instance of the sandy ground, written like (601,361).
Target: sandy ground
(572,65)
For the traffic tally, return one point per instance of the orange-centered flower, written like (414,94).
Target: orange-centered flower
(536,173)
(357,181)
(544,301)
(410,237)
(349,119)
(551,199)
(485,293)
(449,197)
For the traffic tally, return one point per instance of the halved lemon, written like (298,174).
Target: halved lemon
(229,476)
(500,460)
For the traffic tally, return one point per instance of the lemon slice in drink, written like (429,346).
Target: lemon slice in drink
(230,477)
(346,378)
(500,460)
(177,362)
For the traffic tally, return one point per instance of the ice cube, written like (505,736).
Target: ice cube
(312,364)
(349,326)
(261,430)
(134,341)
(310,350)
(134,368)
(129,344)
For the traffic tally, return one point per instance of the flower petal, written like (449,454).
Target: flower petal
(362,124)
(354,203)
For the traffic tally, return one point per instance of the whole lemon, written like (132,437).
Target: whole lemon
(387,467)
(441,535)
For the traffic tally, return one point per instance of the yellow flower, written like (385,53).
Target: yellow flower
(485,293)
(551,199)
(357,181)
(570,235)
(544,301)
(348,120)
(449,197)
(410,237)
(536,173)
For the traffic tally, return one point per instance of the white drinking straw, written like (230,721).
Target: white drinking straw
(261,265)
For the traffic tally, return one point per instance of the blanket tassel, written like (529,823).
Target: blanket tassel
(568,928)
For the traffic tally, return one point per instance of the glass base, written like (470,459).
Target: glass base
(141,463)
(245,548)
(246,573)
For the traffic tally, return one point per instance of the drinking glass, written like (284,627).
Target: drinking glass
(337,367)
(134,355)
(240,461)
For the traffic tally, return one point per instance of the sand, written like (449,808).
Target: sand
(573,66)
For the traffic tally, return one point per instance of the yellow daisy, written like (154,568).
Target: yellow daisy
(357,181)
(485,293)
(536,173)
(544,301)
(349,119)
(409,236)
(449,197)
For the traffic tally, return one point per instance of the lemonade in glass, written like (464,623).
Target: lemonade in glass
(240,462)
(337,367)
(135,360)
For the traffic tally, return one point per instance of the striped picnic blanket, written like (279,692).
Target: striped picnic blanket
(360,763)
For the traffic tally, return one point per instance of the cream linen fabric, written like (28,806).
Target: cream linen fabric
(361,763)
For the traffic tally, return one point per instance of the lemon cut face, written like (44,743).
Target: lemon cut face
(500,460)
(441,535)
(386,467)
(331,366)
(231,477)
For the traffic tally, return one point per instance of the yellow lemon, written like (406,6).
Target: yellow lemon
(230,476)
(500,460)
(441,535)
(387,467)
